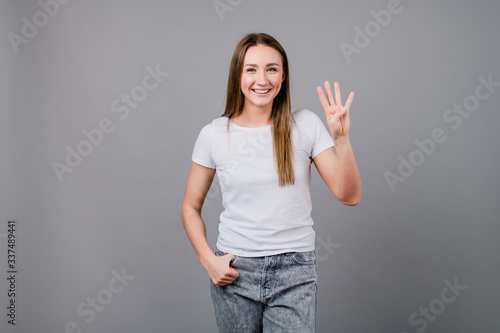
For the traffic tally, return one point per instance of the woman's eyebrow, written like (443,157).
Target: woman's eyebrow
(269,64)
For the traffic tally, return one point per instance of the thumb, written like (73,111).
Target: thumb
(228,257)
(234,273)
(338,115)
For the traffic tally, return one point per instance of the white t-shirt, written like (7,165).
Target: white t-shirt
(261,218)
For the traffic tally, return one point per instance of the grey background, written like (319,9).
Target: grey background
(120,207)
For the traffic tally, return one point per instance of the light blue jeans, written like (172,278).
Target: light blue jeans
(276,293)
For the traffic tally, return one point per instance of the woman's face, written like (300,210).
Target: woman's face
(262,76)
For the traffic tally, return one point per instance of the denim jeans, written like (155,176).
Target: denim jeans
(276,293)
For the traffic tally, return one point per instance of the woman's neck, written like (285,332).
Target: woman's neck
(254,117)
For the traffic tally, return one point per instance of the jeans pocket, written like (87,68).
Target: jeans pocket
(304,258)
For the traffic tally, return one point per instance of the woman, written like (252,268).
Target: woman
(263,274)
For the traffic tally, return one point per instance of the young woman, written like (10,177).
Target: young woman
(263,274)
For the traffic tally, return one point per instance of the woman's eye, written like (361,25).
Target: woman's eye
(251,70)
(272,69)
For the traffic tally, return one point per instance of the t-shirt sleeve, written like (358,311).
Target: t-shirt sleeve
(202,152)
(322,139)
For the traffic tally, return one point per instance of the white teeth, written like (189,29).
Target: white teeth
(261,91)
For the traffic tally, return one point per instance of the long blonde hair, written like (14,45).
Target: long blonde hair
(281,114)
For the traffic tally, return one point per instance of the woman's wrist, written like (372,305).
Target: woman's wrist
(340,140)
(206,258)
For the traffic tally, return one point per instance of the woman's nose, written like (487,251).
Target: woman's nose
(262,79)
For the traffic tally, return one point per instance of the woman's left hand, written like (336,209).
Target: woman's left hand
(337,115)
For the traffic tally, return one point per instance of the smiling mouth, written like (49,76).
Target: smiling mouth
(261,92)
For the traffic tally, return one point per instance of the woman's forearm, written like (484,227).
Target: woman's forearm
(348,179)
(196,232)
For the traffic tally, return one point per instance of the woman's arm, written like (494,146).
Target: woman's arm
(199,180)
(339,171)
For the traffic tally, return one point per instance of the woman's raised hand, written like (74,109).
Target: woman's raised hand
(337,115)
